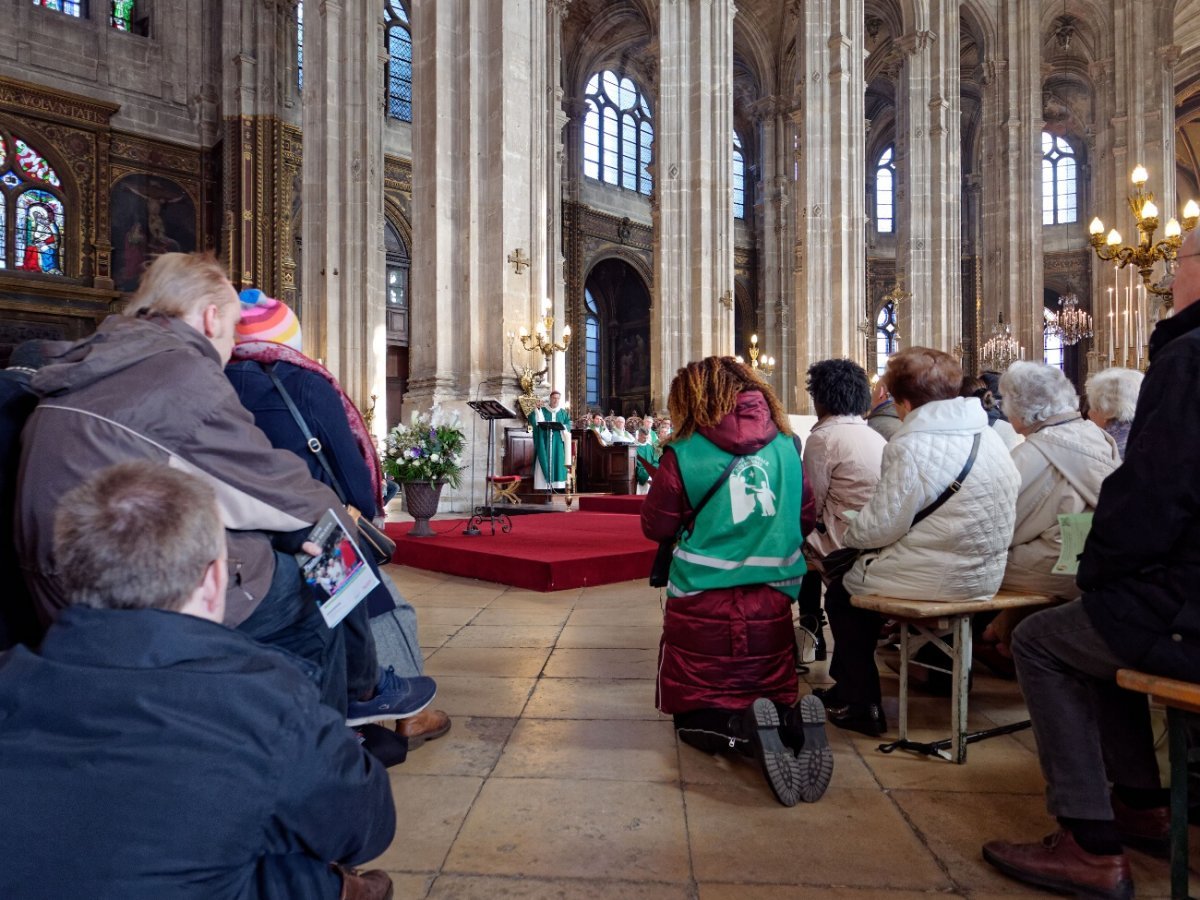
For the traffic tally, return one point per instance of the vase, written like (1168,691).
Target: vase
(421,501)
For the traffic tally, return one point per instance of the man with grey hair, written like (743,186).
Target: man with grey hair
(1112,401)
(1139,609)
(179,758)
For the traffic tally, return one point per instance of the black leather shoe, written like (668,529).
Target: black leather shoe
(827,695)
(865,718)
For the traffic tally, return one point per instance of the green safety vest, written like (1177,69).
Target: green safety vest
(749,531)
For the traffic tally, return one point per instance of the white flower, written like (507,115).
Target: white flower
(434,457)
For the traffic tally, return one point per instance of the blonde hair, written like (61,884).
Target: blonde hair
(177,285)
(705,392)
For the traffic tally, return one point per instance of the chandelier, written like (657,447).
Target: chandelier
(1071,323)
(1001,349)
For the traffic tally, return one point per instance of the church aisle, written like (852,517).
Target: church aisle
(559,779)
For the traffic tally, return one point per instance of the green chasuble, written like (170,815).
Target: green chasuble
(646,452)
(552,448)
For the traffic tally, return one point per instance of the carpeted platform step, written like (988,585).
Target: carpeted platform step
(630,504)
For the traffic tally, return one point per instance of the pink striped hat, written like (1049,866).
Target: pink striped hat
(267,319)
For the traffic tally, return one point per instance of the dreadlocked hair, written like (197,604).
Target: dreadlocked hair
(705,392)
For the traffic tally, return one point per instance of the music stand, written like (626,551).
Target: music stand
(490,411)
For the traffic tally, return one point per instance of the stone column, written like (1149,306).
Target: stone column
(830,282)
(928,161)
(1011,251)
(555,123)
(692,313)
(342,305)
(482,254)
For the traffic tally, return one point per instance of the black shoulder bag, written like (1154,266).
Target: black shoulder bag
(834,565)
(660,572)
(371,539)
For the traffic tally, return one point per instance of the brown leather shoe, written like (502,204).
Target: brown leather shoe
(1061,864)
(373,885)
(1146,829)
(427,725)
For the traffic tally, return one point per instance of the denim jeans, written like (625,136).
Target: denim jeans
(1089,731)
(287,618)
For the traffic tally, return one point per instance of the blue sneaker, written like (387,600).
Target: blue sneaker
(395,698)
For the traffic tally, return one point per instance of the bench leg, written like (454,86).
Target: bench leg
(904,626)
(960,686)
(1177,737)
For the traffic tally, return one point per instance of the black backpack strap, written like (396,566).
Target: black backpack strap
(314,445)
(955,485)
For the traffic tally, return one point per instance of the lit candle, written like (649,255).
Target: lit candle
(1111,324)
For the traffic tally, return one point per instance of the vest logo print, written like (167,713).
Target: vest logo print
(750,490)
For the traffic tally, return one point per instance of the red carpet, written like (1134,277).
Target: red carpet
(613,503)
(544,552)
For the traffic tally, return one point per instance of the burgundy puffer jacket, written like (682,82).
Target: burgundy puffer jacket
(721,648)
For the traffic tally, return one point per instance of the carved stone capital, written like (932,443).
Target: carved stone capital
(915,42)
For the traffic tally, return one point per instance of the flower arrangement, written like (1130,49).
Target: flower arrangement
(429,448)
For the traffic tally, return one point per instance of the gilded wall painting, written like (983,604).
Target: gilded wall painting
(151,215)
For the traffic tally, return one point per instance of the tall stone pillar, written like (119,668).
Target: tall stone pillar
(342,195)
(482,163)
(692,313)
(928,158)
(1011,250)
(554,130)
(830,282)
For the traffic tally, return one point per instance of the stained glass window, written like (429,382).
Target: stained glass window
(70,7)
(1052,345)
(885,183)
(885,336)
(121,15)
(1059,195)
(617,132)
(300,45)
(739,179)
(3,152)
(34,166)
(38,232)
(591,364)
(400,61)
(3,233)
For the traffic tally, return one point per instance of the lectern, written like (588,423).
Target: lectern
(490,411)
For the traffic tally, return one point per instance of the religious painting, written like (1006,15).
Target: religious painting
(151,215)
(633,361)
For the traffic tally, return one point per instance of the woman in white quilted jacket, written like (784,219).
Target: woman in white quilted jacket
(956,552)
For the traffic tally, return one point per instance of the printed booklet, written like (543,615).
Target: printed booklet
(339,577)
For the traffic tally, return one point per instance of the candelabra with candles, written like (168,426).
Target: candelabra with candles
(540,341)
(764,365)
(1071,323)
(1001,349)
(1129,314)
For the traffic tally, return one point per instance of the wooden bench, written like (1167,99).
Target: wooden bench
(1182,700)
(928,622)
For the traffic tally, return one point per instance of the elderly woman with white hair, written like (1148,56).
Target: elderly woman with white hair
(1062,462)
(1112,397)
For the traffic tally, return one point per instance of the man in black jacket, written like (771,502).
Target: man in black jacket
(1140,610)
(173,756)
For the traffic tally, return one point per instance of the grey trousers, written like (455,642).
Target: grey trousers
(1089,731)
(395,633)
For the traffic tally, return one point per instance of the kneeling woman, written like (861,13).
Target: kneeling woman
(729,485)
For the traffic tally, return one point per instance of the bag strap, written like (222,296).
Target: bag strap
(955,485)
(687,526)
(314,445)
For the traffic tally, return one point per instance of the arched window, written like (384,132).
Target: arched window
(300,44)
(1052,345)
(739,179)
(1059,194)
(885,184)
(399,70)
(617,133)
(70,7)
(29,199)
(591,349)
(885,336)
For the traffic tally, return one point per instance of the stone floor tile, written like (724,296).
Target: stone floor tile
(627,663)
(698,767)
(610,637)
(555,828)
(470,695)
(468,887)
(410,887)
(471,747)
(434,635)
(505,636)
(592,698)
(514,598)
(822,843)
(618,750)
(816,892)
(440,804)
(997,765)
(456,616)
(513,662)
(603,615)
(617,596)
(521,615)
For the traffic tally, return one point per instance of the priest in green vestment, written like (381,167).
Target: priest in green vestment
(645,454)
(552,449)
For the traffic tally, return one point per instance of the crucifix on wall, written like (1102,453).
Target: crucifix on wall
(519,260)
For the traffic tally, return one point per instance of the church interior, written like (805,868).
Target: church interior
(490,199)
